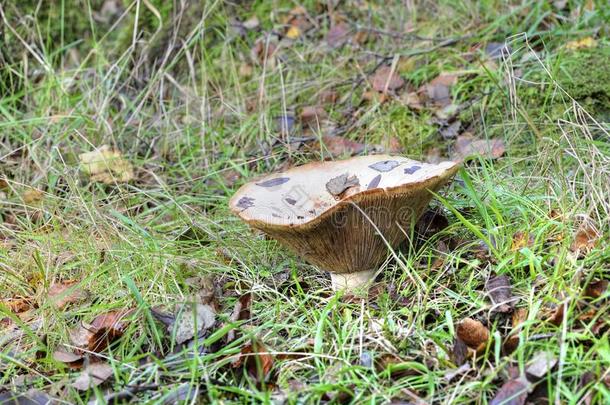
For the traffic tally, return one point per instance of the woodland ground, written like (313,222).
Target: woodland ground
(195,98)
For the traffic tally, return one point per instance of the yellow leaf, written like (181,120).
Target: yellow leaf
(587,42)
(106,165)
(293,32)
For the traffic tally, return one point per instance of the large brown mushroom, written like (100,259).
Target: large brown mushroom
(342,216)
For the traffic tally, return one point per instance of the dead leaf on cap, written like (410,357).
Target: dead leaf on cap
(513,392)
(500,293)
(92,376)
(585,238)
(473,333)
(467,145)
(338,35)
(338,185)
(385,78)
(106,165)
(66,292)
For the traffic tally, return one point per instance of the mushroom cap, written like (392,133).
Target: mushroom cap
(342,215)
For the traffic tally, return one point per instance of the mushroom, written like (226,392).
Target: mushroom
(342,216)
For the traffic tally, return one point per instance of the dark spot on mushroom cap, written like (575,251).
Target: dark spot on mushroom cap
(412,169)
(245,202)
(384,165)
(375,182)
(273,182)
(290,201)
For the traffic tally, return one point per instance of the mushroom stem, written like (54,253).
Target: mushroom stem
(351,281)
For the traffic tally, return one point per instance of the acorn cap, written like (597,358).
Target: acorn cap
(342,216)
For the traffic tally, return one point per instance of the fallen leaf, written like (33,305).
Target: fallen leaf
(497,50)
(412,100)
(72,360)
(92,376)
(512,341)
(337,146)
(103,330)
(32,196)
(386,79)
(106,165)
(251,23)
(438,91)
(473,333)
(596,289)
(500,293)
(66,292)
(293,32)
(540,365)
(585,238)
(337,186)
(467,145)
(256,359)
(451,131)
(31,397)
(263,51)
(513,392)
(328,96)
(522,239)
(583,43)
(190,320)
(241,312)
(17,305)
(459,352)
(284,124)
(312,116)
(337,35)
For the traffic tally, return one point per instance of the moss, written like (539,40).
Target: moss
(584,75)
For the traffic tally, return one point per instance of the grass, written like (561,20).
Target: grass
(188,121)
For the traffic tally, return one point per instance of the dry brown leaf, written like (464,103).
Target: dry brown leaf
(512,341)
(312,116)
(241,312)
(72,360)
(585,238)
(467,145)
(473,333)
(17,305)
(596,288)
(328,96)
(412,100)
(190,320)
(257,360)
(386,79)
(513,392)
(583,43)
(338,146)
(263,51)
(500,292)
(106,165)
(338,35)
(459,352)
(522,239)
(66,292)
(92,376)
(103,330)
(32,196)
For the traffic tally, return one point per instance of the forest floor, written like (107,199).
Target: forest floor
(126,126)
